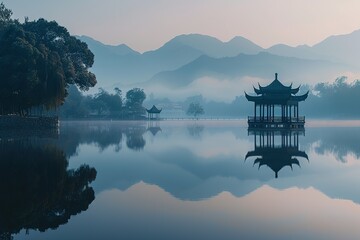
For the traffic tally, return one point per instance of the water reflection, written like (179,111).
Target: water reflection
(134,137)
(195,130)
(38,190)
(102,134)
(276,149)
(340,141)
(154,127)
(189,180)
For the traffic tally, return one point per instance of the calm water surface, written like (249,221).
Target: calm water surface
(180,180)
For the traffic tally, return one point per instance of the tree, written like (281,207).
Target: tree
(195,109)
(104,101)
(5,14)
(39,60)
(134,100)
(75,104)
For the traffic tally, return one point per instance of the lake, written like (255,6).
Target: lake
(181,180)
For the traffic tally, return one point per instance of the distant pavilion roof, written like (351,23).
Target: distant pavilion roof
(154,130)
(154,110)
(276,93)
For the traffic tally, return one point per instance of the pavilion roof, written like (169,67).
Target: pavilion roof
(276,158)
(276,93)
(154,110)
(154,130)
(276,87)
(276,98)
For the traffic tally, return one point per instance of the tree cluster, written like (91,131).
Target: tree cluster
(195,109)
(39,60)
(334,100)
(104,104)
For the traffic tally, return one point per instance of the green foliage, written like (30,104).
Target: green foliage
(195,109)
(39,60)
(134,100)
(334,100)
(76,105)
(104,104)
(5,14)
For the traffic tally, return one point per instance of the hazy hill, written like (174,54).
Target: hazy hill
(302,51)
(187,57)
(215,48)
(96,46)
(262,65)
(340,48)
(343,48)
(121,64)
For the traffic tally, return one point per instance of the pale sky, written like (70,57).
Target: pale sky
(148,24)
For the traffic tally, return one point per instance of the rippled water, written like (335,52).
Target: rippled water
(180,180)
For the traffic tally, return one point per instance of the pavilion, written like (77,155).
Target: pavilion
(276,98)
(153,113)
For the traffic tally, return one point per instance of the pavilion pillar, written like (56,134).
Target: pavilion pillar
(290,114)
(255,111)
(260,111)
(294,111)
(263,111)
(297,112)
(287,112)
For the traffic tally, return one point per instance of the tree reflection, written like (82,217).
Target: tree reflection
(340,141)
(195,130)
(134,137)
(38,191)
(102,134)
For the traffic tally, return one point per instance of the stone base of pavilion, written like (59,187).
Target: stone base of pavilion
(276,123)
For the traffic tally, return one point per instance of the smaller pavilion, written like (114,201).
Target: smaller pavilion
(153,113)
(276,106)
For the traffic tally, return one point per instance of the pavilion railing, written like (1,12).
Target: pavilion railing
(276,119)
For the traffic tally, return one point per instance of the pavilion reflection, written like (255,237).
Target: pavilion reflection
(277,148)
(153,127)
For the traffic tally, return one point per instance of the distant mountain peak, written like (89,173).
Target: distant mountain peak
(121,49)
(239,38)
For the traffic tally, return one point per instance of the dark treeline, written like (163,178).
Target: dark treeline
(104,105)
(39,60)
(338,100)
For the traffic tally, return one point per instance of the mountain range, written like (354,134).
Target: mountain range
(186,58)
